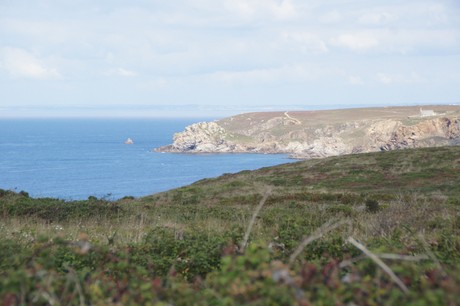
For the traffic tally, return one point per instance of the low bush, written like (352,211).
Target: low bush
(183,247)
(372,206)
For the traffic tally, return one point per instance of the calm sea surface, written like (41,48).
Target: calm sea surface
(73,159)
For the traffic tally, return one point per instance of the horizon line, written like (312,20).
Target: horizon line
(165,113)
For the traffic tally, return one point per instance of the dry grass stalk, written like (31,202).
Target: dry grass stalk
(74,277)
(253,220)
(327,227)
(49,298)
(380,263)
(433,257)
(349,262)
(403,257)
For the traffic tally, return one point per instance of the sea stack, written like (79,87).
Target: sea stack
(129,141)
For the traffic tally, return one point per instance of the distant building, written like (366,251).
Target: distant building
(427,113)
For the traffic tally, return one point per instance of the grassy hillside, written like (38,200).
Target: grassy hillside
(244,122)
(370,229)
(429,172)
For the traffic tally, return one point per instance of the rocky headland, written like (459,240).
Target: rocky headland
(313,134)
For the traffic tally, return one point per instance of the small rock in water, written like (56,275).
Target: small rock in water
(129,141)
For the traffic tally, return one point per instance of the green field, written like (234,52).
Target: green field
(369,229)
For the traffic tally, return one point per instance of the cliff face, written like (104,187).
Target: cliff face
(322,133)
(202,137)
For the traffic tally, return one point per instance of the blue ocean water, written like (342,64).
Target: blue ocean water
(75,158)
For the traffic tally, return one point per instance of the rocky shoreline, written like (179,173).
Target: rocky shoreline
(322,133)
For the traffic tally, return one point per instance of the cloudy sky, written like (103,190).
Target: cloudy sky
(205,57)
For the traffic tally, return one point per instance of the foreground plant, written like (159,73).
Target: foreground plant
(316,239)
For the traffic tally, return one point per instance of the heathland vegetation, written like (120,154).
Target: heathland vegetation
(368,229)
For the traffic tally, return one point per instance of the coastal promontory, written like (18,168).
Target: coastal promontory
(313,134)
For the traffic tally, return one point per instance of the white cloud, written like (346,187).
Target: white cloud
(331,17)
(399,41)
(248,76)
(121,72)
(20,63)
(397,78)
(355,80)
(156,84)
(43,30)
(297,73)
(285,10)
(306,41)
(253,9)
(385,78)
(376,18)
(423,14)
(435,13)
(357,41)
(179,48)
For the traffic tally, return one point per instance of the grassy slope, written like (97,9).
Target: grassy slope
(181,246)
(409,114)
(430,171)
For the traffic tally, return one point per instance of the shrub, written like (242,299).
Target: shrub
(372,206)
(340,208)
(24,194)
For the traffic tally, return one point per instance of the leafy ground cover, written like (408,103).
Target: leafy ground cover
(371,229)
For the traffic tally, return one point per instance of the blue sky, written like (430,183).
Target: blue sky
(217,57)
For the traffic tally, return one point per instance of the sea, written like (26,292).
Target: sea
(73,159)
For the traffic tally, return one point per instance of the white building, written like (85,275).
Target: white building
(427,113)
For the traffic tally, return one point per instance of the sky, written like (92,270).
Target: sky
(185,58)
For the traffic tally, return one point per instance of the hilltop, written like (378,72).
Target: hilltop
(311,134)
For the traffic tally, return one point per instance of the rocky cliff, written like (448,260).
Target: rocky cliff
(312,134)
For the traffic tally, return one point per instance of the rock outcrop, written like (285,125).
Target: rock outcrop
(321,133)
(202,137)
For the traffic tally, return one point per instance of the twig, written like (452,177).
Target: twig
(402,257)
(253,220)
(49,298)
(431,254)
(349,262)
(327,227)
(72,276)
(139,228)
(380,263)
(79,288)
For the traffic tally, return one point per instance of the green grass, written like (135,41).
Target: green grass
(182,247)
(428,172)
(239,138)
